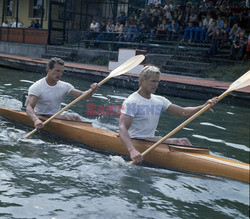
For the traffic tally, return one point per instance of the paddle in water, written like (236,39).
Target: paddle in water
(122,69)
(241,82)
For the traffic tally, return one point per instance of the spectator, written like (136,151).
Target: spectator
(153,26)
(233,18)
(37,24)
(186,15)
(189,5)
(188,32)
(122,18)
(131,19)
(196,8)
(216,42)
(203,8)
(157,10)
(234,32)
(162,30)
(219,22)
(94,29)
(207,21)
(94,26)
(244,19)
(110,27)
(175,16)
(168,14)
(168,5)
(210,31)
(174,6)
(143,18)
(217,13)
(225,32)
(32,24)
(235,8)
(193,18)
(244,5)
(239,46)
(5,23)
(125,33)
(180,18)
(199,32)
(224,9)
(133,32)
(143,35)
(118,30)
(211,6)
(210,12)
(102,31)
(17,24)
(173,30)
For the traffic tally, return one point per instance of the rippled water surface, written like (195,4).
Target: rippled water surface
(49,177)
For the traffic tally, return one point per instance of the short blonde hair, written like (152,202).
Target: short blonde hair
(148,72)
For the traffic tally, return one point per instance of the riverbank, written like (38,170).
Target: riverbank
(171,85)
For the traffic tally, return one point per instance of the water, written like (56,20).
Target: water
(48,177)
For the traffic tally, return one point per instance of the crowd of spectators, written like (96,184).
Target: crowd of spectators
(34,24)
(215,22)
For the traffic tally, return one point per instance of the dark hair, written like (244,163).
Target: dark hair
(53,61)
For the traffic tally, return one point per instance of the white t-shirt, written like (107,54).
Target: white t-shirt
(145,113)
(95,26)
(49,97)
(19,25)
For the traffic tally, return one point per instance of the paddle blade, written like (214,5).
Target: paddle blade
(241,82)
(127,66)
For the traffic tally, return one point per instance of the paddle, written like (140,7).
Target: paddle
(241,82)
(125,67)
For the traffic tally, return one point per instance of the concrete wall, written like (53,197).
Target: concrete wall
(30,50)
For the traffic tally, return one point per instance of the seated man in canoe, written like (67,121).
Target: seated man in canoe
(45,95)
(142,109)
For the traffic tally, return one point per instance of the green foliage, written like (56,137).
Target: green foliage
(227,72)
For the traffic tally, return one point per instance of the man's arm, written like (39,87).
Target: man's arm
(76,93)
(30,105)
(124,124)
(188,111)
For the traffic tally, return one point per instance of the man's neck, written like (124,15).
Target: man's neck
(50,82)
(144,94)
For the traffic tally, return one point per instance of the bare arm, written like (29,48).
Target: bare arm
(188,111)
(30,105)
(76,93)
(124,124)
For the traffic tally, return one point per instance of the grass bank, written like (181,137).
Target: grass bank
(226,72)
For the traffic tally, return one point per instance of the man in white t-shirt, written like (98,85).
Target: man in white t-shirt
(45,96)
(17,24)
(142,109)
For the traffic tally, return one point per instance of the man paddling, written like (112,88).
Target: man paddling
(45,95)
(142,109)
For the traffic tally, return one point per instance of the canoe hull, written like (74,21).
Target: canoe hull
(196,160)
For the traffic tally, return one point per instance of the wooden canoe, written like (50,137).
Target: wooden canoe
(180,158)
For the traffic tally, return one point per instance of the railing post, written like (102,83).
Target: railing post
(23,30)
